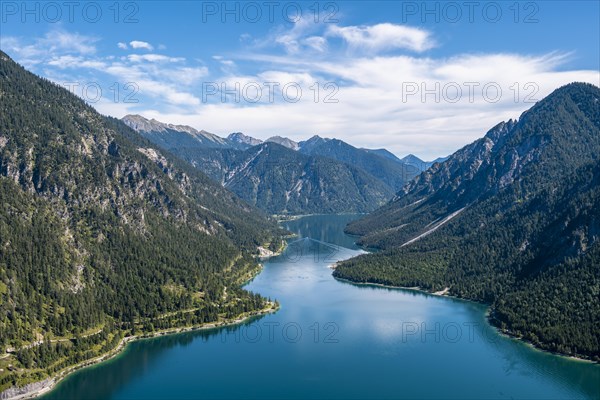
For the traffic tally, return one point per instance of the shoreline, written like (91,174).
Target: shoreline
(445,293)
(294,217)
(46,386)
(265,254)
(43,387)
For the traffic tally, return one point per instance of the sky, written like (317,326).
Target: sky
(411,76)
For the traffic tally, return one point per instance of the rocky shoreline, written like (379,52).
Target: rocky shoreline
(17,393)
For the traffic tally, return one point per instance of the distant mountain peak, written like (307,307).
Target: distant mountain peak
(316,137)
(412,159)
(384,153)
(239,137)
(314,141)
(289,143)
(142,124)
(152,127)
(145,125)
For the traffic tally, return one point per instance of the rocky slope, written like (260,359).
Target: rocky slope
(282,181)
(281,176)
(171,136)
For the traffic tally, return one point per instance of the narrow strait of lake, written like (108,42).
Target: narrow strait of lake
(332,339)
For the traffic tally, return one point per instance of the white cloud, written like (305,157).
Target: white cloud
(376,105)
(376,38)
(317,43)
(190,75)
(54,43)
(224,61)
(299,38)
(169,86)
(71,58)
(154,58)
(70,42)
(137,44)
(371,110)
(228,66)
(69,61)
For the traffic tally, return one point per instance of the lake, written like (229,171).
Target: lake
(332,339)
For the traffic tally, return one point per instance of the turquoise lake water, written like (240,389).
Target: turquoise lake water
(332,339)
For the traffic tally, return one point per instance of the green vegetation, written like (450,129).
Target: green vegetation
(322,176)
(526,240)
(394,173)
(103,236)
(285,182)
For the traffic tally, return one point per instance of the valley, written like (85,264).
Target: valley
(283,177)
(510,220)
(163,234)
(337,339)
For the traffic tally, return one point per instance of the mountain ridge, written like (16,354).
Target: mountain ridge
(101,230)
(508,220)
(242,141)
(239,137)
(282,181)
(392,173)
(171,135)
(366,179)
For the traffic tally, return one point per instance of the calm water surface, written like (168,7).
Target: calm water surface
(332,339)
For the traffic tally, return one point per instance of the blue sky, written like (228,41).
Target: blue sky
(414,77)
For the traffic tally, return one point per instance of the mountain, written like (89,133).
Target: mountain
(290,144)
(412,159)
(323,182)
(282,181)
(225,160)
(438,160)
(392,173)
(171,136)
(240,138)
(420,164)
(384,153)
(510,220)
(416,162)
(279,180)
(307,146)
(103,234)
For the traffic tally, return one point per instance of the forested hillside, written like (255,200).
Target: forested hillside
(394,173)
(103,235)
(281,178)
(512,220)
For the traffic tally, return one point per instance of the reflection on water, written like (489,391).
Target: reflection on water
(334,339)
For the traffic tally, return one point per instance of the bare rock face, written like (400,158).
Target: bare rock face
(239,137)
(285,142)
(26,391)
(173,134)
